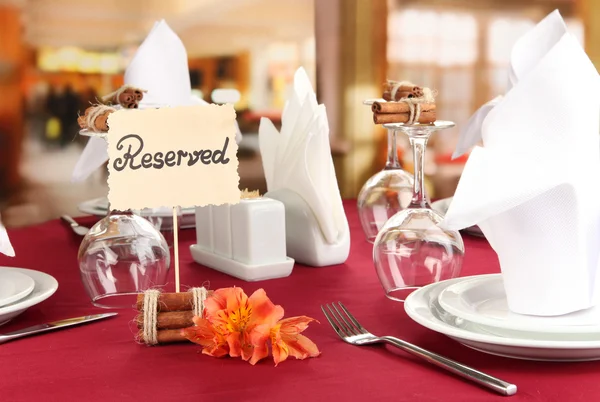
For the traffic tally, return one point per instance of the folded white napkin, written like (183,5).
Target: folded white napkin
(160,66)
(5,247)
(533,188)
(299,157)
(525,55)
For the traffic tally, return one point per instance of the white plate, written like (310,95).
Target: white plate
(14,286)
(441,207)
(99,207)
(423,307)
(87,133)
(96,207)
(482,300)
(45,286)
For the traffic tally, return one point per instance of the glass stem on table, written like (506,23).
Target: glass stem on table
(392,156)
(418,142)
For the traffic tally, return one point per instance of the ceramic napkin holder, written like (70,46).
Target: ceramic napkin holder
(245,240)
(304,239)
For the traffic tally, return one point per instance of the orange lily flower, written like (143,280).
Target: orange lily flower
(203,333)
(286,340)
(244,322)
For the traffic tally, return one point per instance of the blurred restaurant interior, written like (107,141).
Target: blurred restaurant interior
(57,56)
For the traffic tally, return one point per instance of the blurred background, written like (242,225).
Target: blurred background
(57,56)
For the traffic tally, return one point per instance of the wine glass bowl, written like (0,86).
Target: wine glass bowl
(382,196)
(121,256)
(412,250)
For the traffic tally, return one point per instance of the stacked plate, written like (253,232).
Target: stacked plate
(474,311)
(22,288)
(99,207)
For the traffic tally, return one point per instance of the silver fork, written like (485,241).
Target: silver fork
(350,330)
(76,227)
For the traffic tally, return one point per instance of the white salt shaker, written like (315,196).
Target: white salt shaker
(245,240)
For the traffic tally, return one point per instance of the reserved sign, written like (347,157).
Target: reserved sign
(174,156)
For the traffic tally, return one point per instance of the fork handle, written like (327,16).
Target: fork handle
(486,380)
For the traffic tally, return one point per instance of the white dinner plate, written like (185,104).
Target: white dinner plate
(99,207)
(14,286)
(45,286)
(441,207)
(96,207)
(88,133)
(423,307)
(482,300)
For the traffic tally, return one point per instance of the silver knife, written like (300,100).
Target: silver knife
(51,326)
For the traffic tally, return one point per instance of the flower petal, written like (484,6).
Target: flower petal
(202,333)
(198,320)
(264,312)
(219,300)
(286,340)
(301,347)
(278,347)
(216,351)
(280,352)
(234,340)
(295,325)
(258,339)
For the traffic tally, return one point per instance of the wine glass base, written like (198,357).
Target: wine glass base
(400,294)
(116,300)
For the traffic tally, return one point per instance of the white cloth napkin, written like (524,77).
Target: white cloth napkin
(533,188)
(5,247)
(160,66)
(299,157)
(525,55)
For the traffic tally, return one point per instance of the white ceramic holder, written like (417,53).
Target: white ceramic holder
(245,240)
(304,238)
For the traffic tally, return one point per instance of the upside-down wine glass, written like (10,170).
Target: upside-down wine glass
(384,194)
(121,256)
(412,250)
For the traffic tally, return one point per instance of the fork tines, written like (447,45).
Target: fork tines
(342,321)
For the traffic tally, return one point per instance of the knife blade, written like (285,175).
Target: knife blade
(54,325)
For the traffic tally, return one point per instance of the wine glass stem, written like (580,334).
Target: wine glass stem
(392,157)
(419,144)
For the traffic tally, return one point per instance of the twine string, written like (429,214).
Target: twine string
(199,296)
(150,316)
(96,112)
(114,96)
(414,104)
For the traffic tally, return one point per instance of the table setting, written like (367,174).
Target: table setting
(298,294)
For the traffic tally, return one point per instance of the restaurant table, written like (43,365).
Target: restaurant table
(102,362)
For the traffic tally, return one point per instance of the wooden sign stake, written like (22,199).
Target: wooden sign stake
(176,248)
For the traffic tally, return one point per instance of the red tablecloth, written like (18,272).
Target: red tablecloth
(101,361)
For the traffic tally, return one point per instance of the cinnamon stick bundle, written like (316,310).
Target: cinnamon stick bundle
(398,96)
(95,118)
(165,336)
(405,90)
(385,118)
(183,301)
(170,320)
(169,302)
(127,96)
(399,107)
